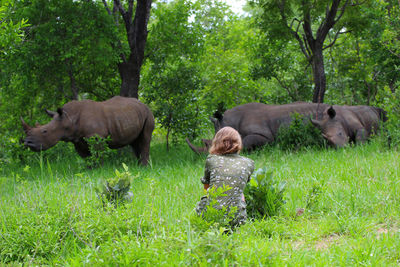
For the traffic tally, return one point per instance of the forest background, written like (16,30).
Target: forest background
(197,56)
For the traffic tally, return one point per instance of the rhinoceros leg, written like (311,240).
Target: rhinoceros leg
(82,148)
(251,142)
(141,146)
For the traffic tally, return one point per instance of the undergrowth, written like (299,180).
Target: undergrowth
(50,213)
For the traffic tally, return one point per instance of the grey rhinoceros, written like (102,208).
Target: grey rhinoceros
(126,121)
(258,123)
(343,124)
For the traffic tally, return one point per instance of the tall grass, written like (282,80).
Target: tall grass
(50,213)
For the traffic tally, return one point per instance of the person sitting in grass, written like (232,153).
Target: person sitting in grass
(225,167)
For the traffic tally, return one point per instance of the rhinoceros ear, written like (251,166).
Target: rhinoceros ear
(331,112)
(25,126)
(218,115)
(50,113)
(60,112)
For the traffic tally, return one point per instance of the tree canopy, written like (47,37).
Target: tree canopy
(184,58)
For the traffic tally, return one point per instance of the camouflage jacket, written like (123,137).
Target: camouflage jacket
(230,170)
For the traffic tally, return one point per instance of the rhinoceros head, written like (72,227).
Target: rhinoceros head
(332,128)
(42,137)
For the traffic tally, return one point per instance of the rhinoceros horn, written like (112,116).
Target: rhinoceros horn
(200,150)
(50,113)
(316,123)
(25,125)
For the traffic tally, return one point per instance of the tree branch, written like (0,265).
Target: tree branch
(330,19)
(284,87)
(307,25)
(294,33)
(334,39)
(107,8)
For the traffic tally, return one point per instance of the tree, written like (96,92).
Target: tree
(171,78)
(65,54)
(314,25)
(225,65)
(131,59)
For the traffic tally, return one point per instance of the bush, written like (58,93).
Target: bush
(298,134)
(99,151)
(264,196)
(391,104)
(116,189)
(213,217)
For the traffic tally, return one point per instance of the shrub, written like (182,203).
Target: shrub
(264,196)
(115,190)
(299,133)
(391,104)
(214,217)
(99,151)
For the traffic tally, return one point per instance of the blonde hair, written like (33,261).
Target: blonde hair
(226,141)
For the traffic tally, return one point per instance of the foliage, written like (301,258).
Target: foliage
(264,196)
(214,216)
(391,104)
(225,66)
(100,151)
(313,196)
(115,190)
(66,55)
(11,33)
(172,80)
(300,133)
(313,27)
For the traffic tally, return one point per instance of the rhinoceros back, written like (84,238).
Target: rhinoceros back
(121,118)
(126,119)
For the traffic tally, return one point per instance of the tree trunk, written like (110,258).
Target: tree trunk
(74,87)
(319,76)
(136,31)
(130,77)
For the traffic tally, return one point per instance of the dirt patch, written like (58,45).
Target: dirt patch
(326,242)
(383,229)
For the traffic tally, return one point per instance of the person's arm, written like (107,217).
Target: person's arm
(206,178)
(251,170)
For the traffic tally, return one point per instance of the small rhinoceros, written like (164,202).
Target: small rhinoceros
(125,120)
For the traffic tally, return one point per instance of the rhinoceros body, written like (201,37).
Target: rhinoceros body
(258,124)
(343,124)
(126,121)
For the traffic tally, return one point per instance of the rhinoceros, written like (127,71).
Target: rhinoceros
(258,123)
(126,121)
(343,124)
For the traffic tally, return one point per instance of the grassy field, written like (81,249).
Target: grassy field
(50,213)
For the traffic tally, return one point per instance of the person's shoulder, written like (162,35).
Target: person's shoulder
(211,157)
(246,158)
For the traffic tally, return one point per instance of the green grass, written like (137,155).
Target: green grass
(50,214)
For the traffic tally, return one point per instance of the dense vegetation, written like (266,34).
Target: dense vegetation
(341,206)
(198,54)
